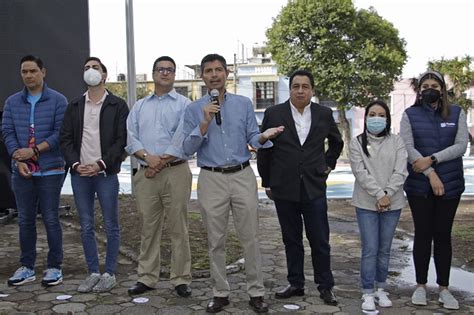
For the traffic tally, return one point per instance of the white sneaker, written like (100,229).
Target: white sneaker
(419,296)
(448,300)
(368,303)
(106,283)
(89,283)
(381,297)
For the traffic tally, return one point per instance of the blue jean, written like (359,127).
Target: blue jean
(85,189)
(376,234)
(45,191)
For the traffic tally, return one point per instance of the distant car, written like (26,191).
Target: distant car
(259,115)
(253,152)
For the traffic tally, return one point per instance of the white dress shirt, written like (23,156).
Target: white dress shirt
(302,121)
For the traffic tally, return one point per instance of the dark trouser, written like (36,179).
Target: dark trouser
(433,218)
(314,215)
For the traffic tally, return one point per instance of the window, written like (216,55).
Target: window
(183,90)
(203,90)
(265,94)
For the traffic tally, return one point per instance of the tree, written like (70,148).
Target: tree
(354,55)
(120,89)
(460,75)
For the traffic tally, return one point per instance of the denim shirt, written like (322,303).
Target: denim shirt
(224,145)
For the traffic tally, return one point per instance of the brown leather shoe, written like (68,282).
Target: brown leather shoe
(217,304)
(288,292)
(258,305)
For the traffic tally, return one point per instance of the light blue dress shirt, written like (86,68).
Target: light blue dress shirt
(224,145)
(155,124)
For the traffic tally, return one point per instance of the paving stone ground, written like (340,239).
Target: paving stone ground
(35,299)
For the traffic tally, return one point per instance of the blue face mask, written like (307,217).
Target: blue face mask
(376,125)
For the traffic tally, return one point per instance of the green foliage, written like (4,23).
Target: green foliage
(460,74)
(354,55)
(120,89)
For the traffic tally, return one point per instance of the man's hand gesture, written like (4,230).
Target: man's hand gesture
(270,133)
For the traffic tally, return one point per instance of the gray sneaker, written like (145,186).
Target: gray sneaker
(89,283)
(106,283)
(448,300)
(419,296)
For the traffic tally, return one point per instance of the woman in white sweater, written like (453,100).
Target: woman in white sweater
(379,163)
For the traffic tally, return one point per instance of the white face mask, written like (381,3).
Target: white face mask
(92,77)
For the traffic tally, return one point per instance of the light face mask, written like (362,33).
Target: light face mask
(92,77)
(376,125)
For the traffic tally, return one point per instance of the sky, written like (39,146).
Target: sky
(187,30)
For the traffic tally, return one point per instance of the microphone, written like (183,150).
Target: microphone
(215,98)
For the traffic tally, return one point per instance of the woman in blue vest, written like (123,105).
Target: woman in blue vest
(435,136)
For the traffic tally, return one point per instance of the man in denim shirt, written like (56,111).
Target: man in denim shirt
(226,182)
(163,181)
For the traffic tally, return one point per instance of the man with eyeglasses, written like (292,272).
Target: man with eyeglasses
(163,180)
(93,139)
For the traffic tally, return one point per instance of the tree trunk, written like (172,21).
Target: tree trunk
(346,131)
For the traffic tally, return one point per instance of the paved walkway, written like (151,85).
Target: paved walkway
(33,298)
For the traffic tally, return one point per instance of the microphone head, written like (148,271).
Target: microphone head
(214,93)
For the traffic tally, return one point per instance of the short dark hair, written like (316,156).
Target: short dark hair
(213,57)
(305,73)
(35,59)
(363,136)
(164,58)
(102,66)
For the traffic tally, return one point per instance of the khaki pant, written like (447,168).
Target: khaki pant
(167,194)
(218,194)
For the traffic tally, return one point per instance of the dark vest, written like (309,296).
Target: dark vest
(432,134)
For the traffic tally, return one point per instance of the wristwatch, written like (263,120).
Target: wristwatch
(434,160)
(144,156)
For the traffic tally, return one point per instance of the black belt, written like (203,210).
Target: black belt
(230,169)
(170,164)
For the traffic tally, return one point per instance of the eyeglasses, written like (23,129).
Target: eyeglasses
(165,70)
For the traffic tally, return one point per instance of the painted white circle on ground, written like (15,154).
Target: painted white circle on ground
(141,300)
(291,307)
(63,297)
(4,295)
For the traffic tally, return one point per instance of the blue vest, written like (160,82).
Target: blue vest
(432,134)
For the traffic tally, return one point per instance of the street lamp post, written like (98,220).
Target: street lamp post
(131,73)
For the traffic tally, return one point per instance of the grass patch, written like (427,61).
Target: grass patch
(464,232)
(130,227)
